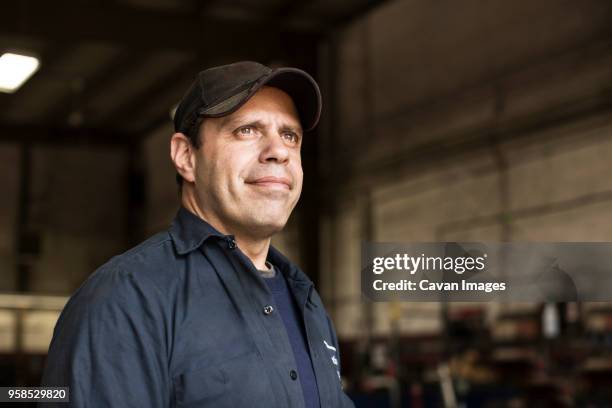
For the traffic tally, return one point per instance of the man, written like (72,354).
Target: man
(208,313)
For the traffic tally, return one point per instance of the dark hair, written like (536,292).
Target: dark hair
(193,134)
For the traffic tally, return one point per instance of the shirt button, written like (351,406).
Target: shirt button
(231,243)
(293,375)
(268,310)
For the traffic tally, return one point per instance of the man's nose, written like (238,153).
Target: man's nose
(274,149)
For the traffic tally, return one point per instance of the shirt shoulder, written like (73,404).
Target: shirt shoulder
(157,248)
(149,268)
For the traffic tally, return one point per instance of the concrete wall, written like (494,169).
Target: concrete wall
(76,208)
(448,118)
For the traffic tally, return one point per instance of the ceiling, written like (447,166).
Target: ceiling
(112,70)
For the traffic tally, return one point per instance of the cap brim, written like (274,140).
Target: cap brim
(299,85)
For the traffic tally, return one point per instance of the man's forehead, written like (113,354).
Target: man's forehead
(265,101)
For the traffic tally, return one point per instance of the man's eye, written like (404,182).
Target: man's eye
(246,130)
(291,137)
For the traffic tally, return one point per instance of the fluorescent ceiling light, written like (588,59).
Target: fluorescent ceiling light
(15,69)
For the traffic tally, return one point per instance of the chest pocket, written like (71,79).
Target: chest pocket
(240,381)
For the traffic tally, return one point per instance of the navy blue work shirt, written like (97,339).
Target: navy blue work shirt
(183,320)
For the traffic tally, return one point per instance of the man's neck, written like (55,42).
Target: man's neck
(255,249)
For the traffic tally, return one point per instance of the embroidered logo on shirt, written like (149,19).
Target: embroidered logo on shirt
(333,358)
(328,346)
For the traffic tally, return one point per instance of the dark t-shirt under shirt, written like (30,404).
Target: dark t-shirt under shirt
(287,307)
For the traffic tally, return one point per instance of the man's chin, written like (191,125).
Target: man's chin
(266,228)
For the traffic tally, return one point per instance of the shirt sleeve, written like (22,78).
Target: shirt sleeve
(108,346)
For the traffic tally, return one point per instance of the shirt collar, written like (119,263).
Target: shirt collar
(188,231)
(290,270)
(301,286)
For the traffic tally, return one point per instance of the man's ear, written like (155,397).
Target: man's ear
(183,157)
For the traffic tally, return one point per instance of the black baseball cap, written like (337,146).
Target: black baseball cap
(222,90)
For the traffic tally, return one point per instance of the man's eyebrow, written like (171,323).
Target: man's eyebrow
(290,128)
(229,121)
(232,121)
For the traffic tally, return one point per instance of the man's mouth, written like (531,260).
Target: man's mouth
(281,183)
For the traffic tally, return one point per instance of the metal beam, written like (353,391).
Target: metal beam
(27,241)
(139,28)
(92,86)
(17,133)
(128,109)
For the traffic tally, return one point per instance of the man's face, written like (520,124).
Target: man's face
(248,170)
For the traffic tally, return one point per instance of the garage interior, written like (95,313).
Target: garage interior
(442,121)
